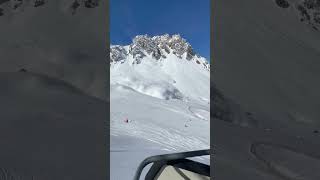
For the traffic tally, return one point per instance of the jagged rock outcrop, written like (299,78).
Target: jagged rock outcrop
(308,11)
(283,3)
(158,47)
(117,53)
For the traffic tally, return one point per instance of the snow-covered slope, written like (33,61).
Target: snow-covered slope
(266,59)
(52,38)
(162,87)
(52,63)
(162,66)
(49,129)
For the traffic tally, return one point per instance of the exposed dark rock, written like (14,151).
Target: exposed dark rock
(311,4)
(190,53)
(117,53)
(91,3)
(283,3)
(75,5)
(158,47)
(157,54)
(17,4)
(38,3)
(303,12)
(316,17)
(309,11)
(180,46)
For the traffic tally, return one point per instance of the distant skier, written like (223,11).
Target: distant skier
(127,120)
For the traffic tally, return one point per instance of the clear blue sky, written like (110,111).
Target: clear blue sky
(189,18)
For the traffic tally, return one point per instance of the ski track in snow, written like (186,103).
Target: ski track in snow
(200,113)
(171,139)
(171,125)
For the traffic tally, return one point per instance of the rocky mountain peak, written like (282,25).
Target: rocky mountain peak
(158,47)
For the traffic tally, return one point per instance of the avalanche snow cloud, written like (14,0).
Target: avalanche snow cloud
(163,88)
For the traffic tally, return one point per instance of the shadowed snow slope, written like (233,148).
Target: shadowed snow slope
(266,63)
(49,129)
(50,39)
(52,89)
(267,60)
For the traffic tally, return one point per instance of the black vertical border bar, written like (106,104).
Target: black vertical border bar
(211,97)
(107,120)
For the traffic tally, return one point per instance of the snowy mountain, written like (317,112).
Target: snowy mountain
(158,47)
(162,87)
(164,66)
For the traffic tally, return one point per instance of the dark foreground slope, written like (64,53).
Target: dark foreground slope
(267,60)
(266,68)
(52,89)
(49,129)
(57,39)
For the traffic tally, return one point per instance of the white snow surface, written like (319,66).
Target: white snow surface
(169,78)
(167,104)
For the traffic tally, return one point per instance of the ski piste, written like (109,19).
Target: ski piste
(159,101)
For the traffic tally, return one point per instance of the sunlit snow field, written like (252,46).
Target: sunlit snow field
(166,104)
